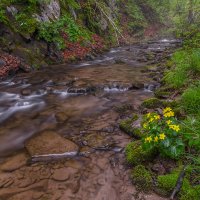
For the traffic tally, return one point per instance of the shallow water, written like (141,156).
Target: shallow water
(79,101)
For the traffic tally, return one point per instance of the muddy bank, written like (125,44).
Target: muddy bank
(59,136)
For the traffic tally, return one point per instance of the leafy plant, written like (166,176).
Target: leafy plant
(3,17)
(163,133)
(190,100)
(25,23)
(191,132)
(52,31)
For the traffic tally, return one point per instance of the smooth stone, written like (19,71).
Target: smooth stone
(63,174)
(49,142)
(14,162)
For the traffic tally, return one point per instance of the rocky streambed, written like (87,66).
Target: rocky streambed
(59,133)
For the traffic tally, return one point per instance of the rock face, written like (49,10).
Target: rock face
(50,143)
(49,11)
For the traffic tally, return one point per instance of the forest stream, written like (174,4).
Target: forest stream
(59,126)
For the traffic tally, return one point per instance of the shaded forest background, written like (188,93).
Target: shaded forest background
(71,29)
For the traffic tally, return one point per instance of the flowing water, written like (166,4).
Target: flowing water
(59,135)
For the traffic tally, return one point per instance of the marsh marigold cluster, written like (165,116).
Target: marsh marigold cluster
(158,127)
(162,131)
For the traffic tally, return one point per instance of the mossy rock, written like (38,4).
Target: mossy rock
(160,93)
(135,154)
(127,126)
(141,178)
(166,184)
(124,108)
(152,103)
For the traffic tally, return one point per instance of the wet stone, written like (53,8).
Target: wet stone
(61,116)
(14,162)
(63,174)
(48,143)
(26,92)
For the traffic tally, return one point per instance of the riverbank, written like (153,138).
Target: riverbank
(166,158)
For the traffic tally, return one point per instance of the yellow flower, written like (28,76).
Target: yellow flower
(145,125)
(162,136)
(175,127)
(157,117)
(148,139)
(151,119)
(156,139)
(148,115)
(168,109)
(169,114)
(168,122)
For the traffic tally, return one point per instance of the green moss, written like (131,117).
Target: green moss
(141,178)
(126,126)
(135,155)
(166,183)
(152,103)
(189,194)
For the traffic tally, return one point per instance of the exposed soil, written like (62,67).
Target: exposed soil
(59,134)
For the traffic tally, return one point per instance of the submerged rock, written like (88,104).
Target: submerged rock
(48,143)
(15,162)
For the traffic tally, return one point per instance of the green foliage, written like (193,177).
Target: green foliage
(190,99)
(141,178)
(51,31)
(70,3)
(138,21)
(25,23)
(135,155)
(3,17)
(191,131)
(187,65)
(163,133)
